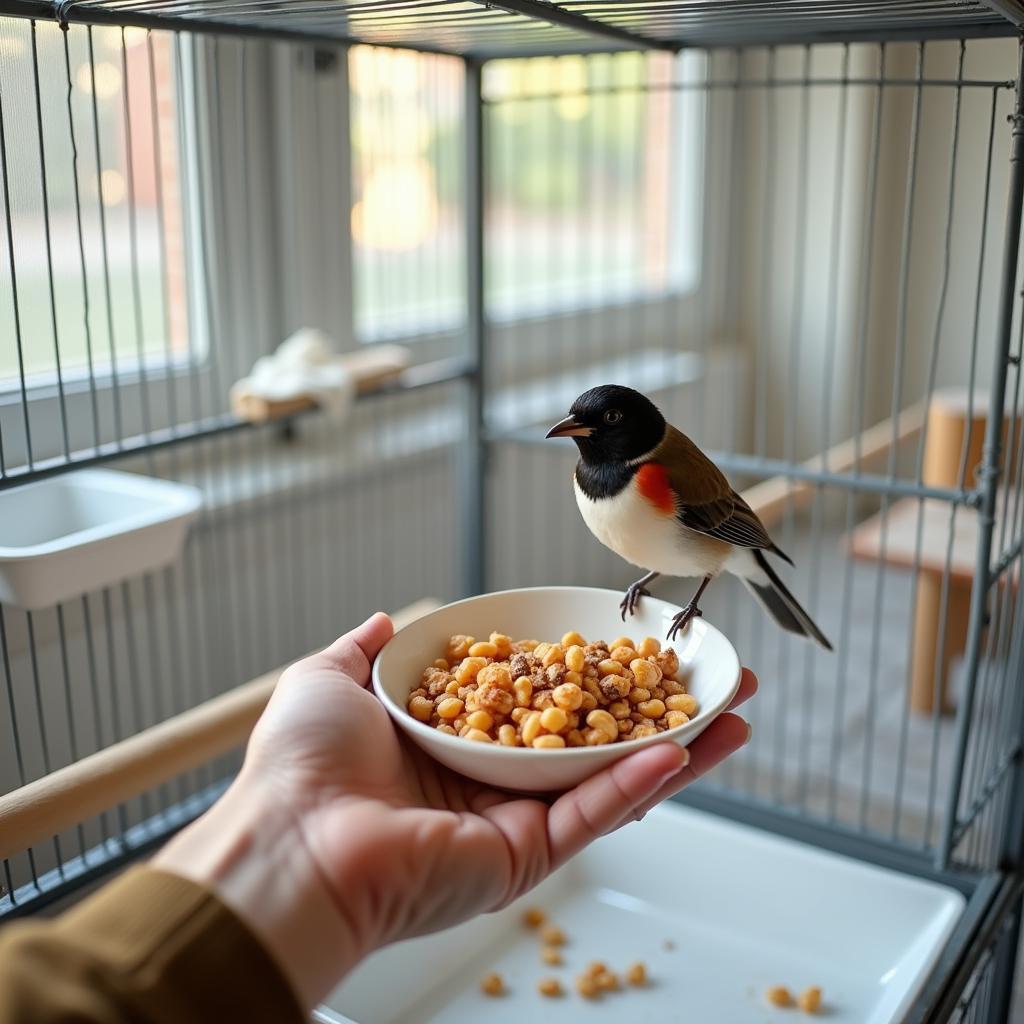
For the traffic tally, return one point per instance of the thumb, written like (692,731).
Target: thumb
(353,654)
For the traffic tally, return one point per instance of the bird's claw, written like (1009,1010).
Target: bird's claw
(632,598)
(682,619)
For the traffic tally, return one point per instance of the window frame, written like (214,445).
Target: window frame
(689,304)
(298,98)
(127,369)
(42,392)
(228,303)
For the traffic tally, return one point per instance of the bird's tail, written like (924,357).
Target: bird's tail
(779,603)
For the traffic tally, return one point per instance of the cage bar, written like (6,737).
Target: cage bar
(990,468)
(670,220)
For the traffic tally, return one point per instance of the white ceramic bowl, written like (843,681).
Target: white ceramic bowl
(707,663)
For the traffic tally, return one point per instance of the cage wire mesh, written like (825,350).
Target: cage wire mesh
(978,991)
(123,330)
(977,1001)
(843,283)
(795,250)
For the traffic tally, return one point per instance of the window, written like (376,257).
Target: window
(594,169)
(100,275)
(583,208)
(595,172)
(407,192)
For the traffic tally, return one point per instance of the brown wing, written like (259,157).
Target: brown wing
(707,503)
(730,519)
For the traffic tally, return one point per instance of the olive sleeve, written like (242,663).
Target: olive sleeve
(150,948)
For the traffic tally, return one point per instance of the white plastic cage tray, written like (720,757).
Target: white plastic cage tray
(73,533)
(718,912)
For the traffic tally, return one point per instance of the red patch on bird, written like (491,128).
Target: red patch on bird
(652,482)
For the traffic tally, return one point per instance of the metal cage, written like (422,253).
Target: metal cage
(796,226)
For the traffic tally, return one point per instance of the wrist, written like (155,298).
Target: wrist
(254,859)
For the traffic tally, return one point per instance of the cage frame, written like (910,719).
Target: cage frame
(991,924)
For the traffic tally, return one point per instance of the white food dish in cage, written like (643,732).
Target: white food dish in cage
(73,533)
(717,911)
(708,665)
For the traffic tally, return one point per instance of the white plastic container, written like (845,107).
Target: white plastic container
(717,911)
(66,536)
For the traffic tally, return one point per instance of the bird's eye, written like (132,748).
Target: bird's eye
(612,416)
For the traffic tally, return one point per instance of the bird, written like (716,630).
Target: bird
(650,494)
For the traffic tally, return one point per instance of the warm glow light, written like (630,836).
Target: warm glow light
(573,108)
(108,79)
(399,206)
(362,70)
(564,78)
(403,73)
(113,187)
(541,77)
(629,69)
(408,132)
(571,79)
(571,74)
(372,72)
(504,78)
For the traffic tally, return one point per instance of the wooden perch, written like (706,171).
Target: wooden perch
(373,368)
(770,498)
(96,783)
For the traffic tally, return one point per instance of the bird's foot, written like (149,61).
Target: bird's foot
(632,598)
(682,619)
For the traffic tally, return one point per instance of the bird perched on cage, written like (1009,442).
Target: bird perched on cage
(651,495)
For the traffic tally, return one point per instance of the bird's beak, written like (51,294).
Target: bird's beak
(569,427)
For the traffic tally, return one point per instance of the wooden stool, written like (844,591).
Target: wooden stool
(935,635)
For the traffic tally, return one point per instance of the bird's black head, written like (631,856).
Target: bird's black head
(611,423)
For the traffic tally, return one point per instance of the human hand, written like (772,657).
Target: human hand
(380,842)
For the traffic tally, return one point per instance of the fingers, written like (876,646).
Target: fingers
(724,736)
(599,804)
(629,788)
(748,687)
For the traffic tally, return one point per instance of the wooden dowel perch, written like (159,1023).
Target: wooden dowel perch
(372,368)
(96,783)
(769,498)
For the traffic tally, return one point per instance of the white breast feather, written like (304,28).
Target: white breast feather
(637,532)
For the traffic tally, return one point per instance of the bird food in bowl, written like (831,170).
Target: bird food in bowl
(566,693)
(540,688)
